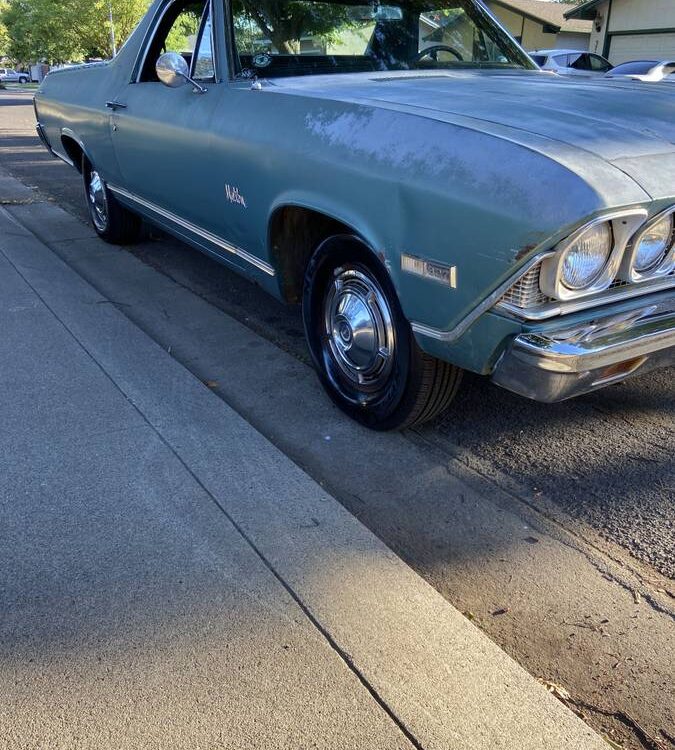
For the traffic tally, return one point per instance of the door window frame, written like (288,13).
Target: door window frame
(206,13)
(216,9)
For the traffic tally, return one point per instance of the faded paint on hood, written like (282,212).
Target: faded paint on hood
(631,126)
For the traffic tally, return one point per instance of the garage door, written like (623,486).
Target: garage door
(641,47)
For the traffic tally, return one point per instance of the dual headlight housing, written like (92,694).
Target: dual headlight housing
(619,247)
(652,252)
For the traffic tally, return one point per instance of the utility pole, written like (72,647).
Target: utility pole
(112,29)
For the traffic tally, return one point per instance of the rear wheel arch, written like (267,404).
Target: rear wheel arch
(74,149)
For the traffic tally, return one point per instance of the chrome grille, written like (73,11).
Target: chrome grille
(526,298)
(525,293)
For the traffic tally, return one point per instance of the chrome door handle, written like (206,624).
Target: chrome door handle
(115,105)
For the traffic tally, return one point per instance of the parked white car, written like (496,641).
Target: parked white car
(570,62)
(9,75)
(645,70)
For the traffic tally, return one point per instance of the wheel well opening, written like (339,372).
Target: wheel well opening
(294,234)
(73,151)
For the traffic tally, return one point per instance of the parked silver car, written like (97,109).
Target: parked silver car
(651,71)
(570,62)
(9,75)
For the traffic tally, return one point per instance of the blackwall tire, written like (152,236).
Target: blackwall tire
(112,221)
(362,345)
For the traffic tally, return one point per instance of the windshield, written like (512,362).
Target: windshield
(300,37)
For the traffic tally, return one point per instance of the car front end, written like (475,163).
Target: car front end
(595,310)
(588,310)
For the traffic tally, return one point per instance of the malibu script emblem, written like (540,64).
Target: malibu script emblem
(234,196)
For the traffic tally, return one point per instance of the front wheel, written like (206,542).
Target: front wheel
(362,345)
(112,222)
(23,79)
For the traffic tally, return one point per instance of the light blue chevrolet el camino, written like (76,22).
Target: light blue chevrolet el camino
(434,201)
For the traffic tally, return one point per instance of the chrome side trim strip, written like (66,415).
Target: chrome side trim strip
(203,233)
(64,159)
(484,306)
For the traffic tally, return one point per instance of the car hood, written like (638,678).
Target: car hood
(630,125)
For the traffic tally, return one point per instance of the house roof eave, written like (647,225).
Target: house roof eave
(584,12)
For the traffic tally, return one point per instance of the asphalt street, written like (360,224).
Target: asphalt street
(576,494)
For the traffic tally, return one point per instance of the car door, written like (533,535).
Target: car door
(162,136)
(580,65)
(559,63)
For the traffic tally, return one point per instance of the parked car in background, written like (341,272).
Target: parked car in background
(651,71)
(569,62)
(434,201)
(9,75)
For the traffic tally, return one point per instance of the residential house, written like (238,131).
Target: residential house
(538,24)
(629,29)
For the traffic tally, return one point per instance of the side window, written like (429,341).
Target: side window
(178,31)
(203,68)
(562,61)
(598,64)
(580,62)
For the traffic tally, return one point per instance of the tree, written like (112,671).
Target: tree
(285,23)
(67,30)
(4,34)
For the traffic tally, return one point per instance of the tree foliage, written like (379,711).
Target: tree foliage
(57,31)
(285,23)
(4,34)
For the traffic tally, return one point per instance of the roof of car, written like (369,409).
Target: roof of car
(556,51)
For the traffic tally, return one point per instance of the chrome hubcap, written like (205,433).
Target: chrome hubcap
(97,200)
(359,330)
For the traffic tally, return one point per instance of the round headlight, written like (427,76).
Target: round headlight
(653,245)
(586,258)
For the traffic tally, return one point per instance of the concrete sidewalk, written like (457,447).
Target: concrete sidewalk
(168,578)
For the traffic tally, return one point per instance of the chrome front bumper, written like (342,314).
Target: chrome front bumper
(567,361)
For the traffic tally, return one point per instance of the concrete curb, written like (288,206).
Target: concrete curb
(437,675)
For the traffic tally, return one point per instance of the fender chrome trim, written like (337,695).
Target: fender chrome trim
(490,301)
(194,229)
(45,142)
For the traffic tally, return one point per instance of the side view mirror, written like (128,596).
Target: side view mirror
(172,70)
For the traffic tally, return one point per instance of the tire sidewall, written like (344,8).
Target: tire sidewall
(385,411)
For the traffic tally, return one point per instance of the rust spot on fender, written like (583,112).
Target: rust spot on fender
(526,250)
